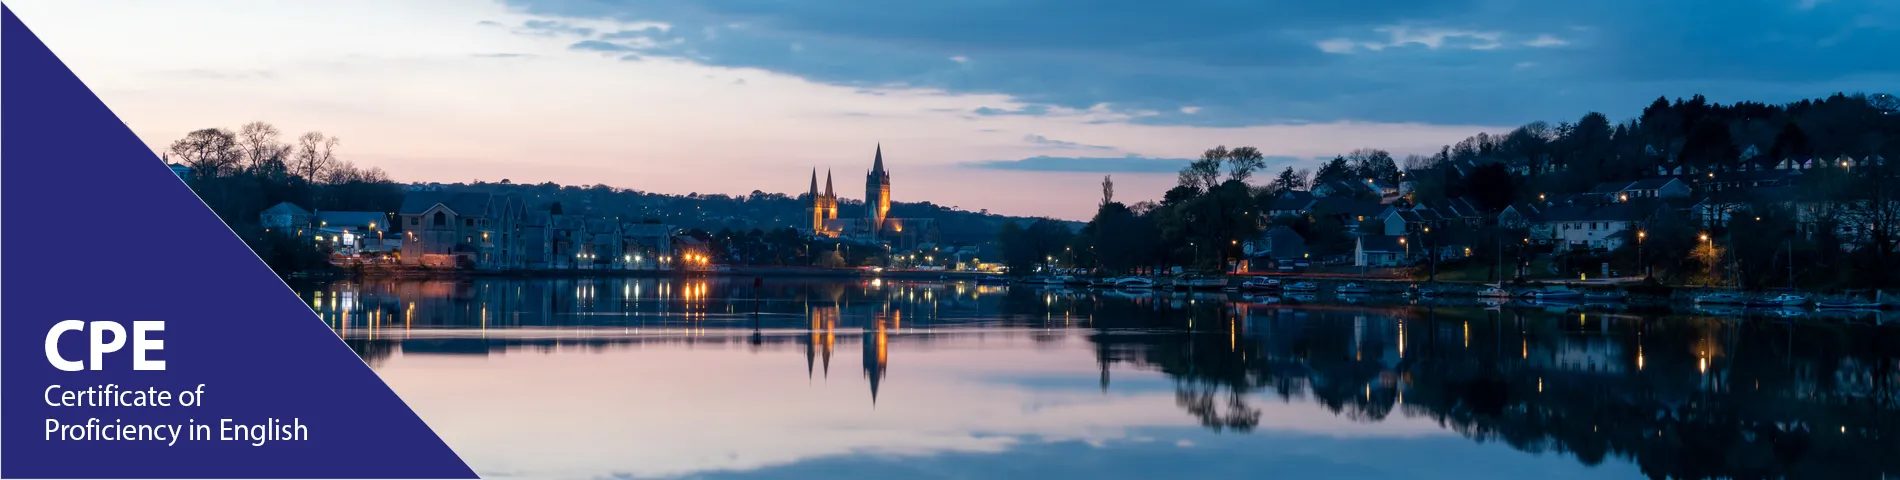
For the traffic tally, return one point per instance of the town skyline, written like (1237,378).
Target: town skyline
(696,98)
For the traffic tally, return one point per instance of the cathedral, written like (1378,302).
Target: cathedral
(874,222)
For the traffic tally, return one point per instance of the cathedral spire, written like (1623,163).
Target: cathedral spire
(877,165)
(814,180)
(814,183)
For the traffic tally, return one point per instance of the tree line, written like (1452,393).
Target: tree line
(240,173)
(1214,206)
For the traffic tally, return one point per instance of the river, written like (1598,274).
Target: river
(722,378)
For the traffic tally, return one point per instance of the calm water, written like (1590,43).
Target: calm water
(626,378)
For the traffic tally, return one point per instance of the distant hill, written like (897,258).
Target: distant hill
(711,212)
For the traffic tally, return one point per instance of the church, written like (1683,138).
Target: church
(873,223)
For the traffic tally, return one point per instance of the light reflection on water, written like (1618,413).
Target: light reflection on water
(585,378)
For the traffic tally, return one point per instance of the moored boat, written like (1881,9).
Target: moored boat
(1720,299)
(1604,296)
(1302,287)
(1352,289)
(1260,284)
(1782,300)
(1846,305)
(1494,292)
(1137,283)
(1559,294)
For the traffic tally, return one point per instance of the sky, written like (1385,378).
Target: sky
(1014,106)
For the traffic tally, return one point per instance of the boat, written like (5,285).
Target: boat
(1195,282)
(1782,300)
(1049,280)
(1137,283)
(1604,297)
(1559,294)
(1260,284)
(1494,292)
(1352,289)
(1302,287)
(1846,305)
(1720,299)
(991,280)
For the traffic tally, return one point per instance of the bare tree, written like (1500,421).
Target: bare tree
(210,152)
(262,151)
(314,156)
(1108,190)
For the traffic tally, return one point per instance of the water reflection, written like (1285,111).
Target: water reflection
(990,373)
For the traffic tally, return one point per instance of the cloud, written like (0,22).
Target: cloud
(1255,63)
(1546,40)
(1047,142)
(548,28)
(504,55)
(1128,164)
(1190,110)
(600,46)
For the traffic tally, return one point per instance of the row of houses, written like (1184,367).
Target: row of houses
(1598,220)
(485,231)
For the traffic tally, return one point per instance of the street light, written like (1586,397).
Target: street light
(1641,265)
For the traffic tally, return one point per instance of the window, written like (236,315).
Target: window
(470,222)
(415,221)
(441,219)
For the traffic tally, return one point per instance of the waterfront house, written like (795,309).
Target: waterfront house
(566,235)
(645,244)
(1379,251)
(601,246)
(537,239)
(284,216)
(1590,227)
(461,229)
(1279,243)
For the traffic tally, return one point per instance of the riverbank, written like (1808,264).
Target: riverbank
(415,272)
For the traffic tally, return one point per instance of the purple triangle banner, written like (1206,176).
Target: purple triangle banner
(141,338)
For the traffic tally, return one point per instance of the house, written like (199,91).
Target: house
(690,253)
(461,229)
(183,172)
(566,235)
(1348,211)
(1292,202)
(1590,227)
(645,244)
(1277,243)
(1379,251)
(1658,187)
(1718,181)
(1519,216)
(284,216)
(537,240)
(600,246)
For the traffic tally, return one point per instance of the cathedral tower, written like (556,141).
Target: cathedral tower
(877,193)
(824,205)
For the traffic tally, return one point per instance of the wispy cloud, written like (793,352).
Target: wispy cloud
(1546,40)
(1047,142)
(1128,164)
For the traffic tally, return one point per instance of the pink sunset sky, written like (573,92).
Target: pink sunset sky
(1015,108)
